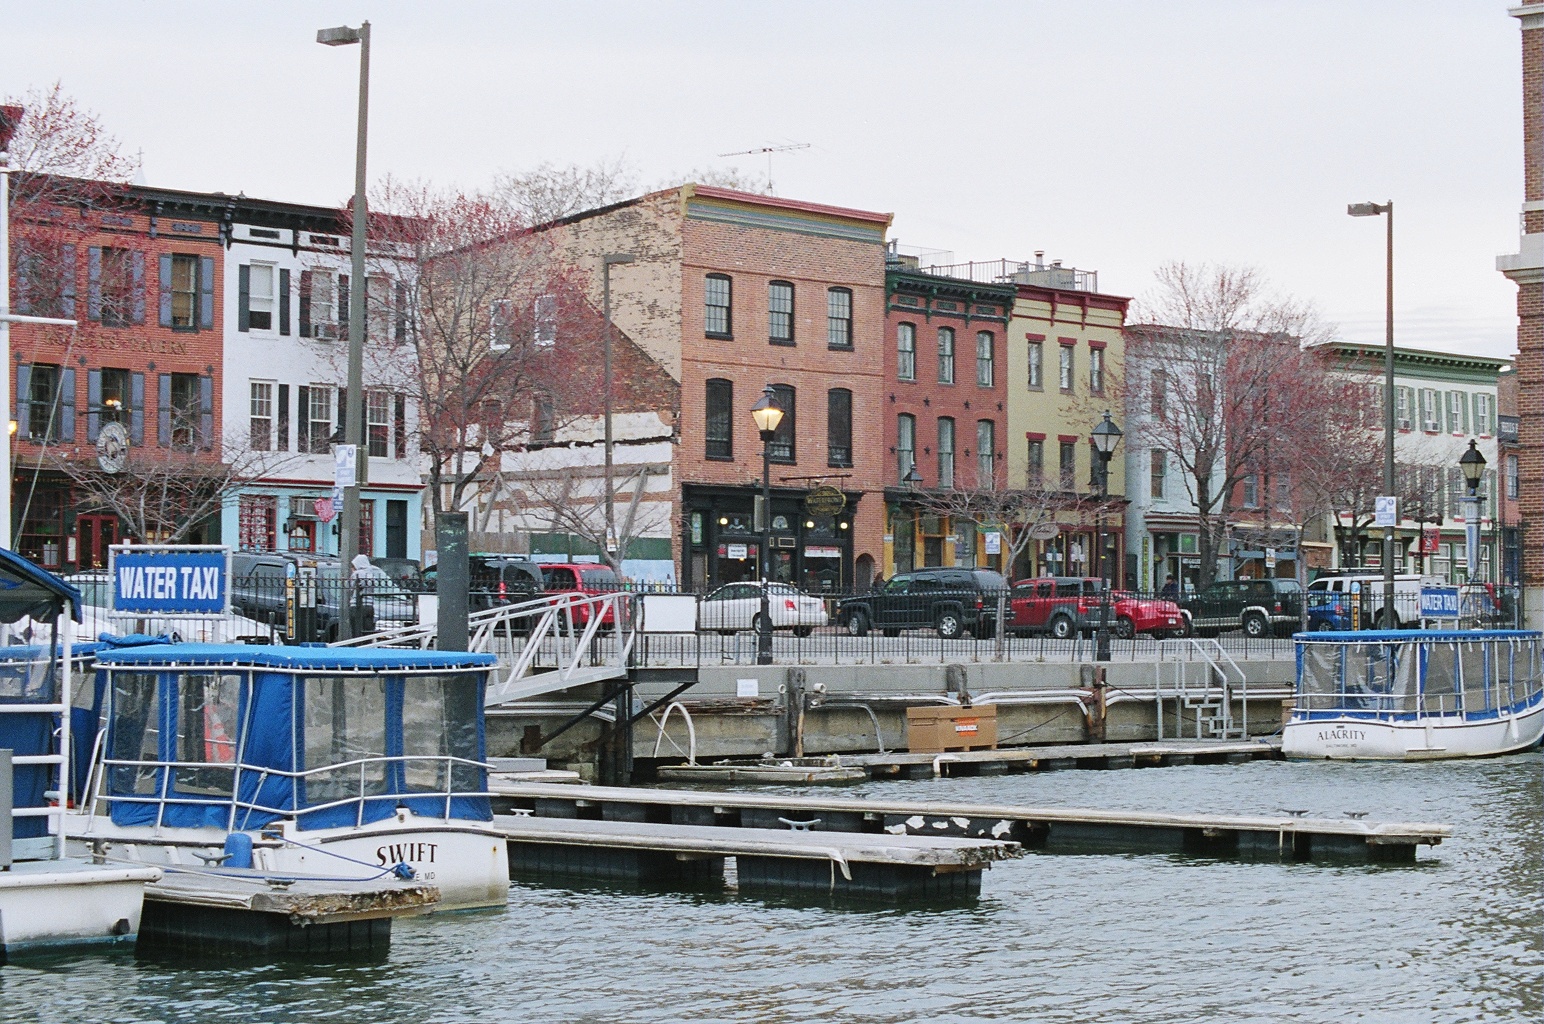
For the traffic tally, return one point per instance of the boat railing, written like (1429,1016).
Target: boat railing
(1505,678)
(241,811)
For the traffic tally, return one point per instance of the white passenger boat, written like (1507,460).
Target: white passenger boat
(1416,695)
(316,762)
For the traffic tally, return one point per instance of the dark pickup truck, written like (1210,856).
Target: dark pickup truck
(952,601)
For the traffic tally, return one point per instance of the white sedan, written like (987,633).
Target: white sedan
(738,606)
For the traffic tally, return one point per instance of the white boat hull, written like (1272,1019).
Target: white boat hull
(49,904)
(467,861)
(1352,738)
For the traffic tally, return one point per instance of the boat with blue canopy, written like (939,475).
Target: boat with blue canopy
(323,762)
(1416,695)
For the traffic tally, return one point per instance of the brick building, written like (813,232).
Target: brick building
(731,292)
(141,270)
(1509,515)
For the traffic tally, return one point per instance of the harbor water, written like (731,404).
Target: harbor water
(1458,937)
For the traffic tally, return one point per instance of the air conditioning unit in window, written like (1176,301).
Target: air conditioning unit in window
(324,332)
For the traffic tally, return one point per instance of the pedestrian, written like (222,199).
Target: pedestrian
(1170,589)
(877,583)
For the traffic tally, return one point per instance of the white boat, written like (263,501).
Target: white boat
(1416,695)
(321,762)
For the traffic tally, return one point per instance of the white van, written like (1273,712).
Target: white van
(1368,589)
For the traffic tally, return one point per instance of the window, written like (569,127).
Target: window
(184,292)
(1284,491)
(720,420)
(1069,465)
(986,374)
(1457,491)
(1159,467)
(1158,402)
(1034,478)
(780,313)
(1484,419)
(257,518)
(117,286)
(717,321)
(544,316)
(1251,491)
(45,280)
(945,452)
(839,317)
(323,302)
(986,453)
(262,417)
(906,352)
(1065,376)
(543,416)
(783,448)
(1096,370)
(1402,408)
(1431,411)
(44,402)
(1512,486)
(315,419)
(1455,416)
(1036,365)
(185,408)
(378,307)
(501,325)
(378,423)
(839,427)
(946,355)
(258,308)
(115,399)
(905,445)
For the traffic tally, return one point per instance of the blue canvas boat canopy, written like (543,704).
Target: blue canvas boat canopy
(296,659)
(28,591)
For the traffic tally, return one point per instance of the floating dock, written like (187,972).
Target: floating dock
(1168,753)
(775,860)
(1048,830)
(232,911)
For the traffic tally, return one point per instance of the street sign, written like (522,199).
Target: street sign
(992,543)
(1270,558)
(1439,602)
(345,463)
(1385,510)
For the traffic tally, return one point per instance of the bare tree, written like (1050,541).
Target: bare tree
(552,191)
(61,152)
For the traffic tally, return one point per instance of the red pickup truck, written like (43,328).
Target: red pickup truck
(1068,605)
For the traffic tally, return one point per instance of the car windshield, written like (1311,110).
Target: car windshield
(599,578)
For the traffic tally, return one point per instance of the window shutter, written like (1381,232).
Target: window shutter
(284,302)
(94,282)
(206,293)
(66,431)
(23,400)
(26,266)
(206,412)
(93,405)
(302,419)
(164,412)
(137,409)
(137,265)
(340,425)
(67,273)
(399,426)
(401,328)
(284,419)
(305,303)
(166,289)
(244,298)
(341,313)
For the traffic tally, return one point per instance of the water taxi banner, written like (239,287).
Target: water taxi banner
(168,582)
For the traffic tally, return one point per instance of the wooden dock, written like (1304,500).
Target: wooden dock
(778,859)
(235,911)
(1001,761)
(1049,830)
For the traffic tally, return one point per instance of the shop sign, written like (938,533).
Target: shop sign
(825,500)
(814,551)
(736,551)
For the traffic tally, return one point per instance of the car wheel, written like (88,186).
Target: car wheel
(949,625)
(1125,629)
(1062,628)
(757,621)
(858,624)
(1255,626)
(802,631)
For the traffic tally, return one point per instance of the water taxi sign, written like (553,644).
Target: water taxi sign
(1439,602)
(170,580)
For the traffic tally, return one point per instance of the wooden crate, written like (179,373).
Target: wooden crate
(933,730)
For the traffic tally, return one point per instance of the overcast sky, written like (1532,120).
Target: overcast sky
(1114,135)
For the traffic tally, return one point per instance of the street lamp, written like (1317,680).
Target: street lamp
(348,529)
(1105,435)
(768,416)
(1373,210)
(1473,465)
(608,261)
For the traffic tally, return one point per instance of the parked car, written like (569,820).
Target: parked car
(1328,611)
(1487,606)
(495,580)
(1369,588)
(1266,607)
(1067,605)
(952,601)
(737,606)
(404,571)
(258,588)
(586,578)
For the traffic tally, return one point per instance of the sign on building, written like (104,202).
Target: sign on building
(170,579)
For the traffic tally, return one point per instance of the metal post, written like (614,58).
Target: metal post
(1102,634)
(764,630)
(453,580)
(5,348)
(1472,533)
(1388,425)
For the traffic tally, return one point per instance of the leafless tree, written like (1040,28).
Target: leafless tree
(61,152)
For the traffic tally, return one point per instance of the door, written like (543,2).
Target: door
(396,529)
(96,534)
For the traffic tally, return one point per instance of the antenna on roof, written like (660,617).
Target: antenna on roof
(769,150)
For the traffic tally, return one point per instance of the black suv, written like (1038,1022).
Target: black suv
(951,601)
(496,580)
(1269,607)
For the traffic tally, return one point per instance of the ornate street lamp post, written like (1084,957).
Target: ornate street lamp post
(768,416)
(1105,435)
(1473,465)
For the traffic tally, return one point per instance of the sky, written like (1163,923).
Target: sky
(1115,136)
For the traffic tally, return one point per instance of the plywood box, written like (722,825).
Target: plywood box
(933,730)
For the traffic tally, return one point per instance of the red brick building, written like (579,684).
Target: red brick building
(140,269)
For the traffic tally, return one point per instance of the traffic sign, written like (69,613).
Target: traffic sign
(1385,510)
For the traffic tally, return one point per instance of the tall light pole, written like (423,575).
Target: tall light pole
(1105,435)
(1373,210)
(354,414)
(608,261)
(768,415)
(1473,465)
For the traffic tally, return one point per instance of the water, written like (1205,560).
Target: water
(1052,939)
